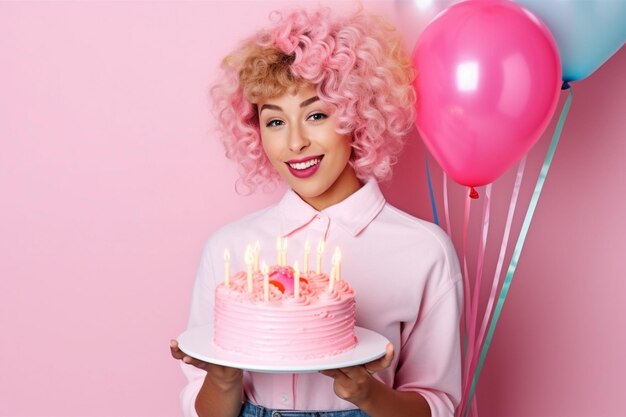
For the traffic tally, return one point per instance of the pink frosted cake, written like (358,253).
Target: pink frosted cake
(271,321)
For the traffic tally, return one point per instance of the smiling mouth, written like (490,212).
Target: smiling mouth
(301,166)
(304,168)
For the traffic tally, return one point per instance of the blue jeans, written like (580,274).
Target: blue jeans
(251,410)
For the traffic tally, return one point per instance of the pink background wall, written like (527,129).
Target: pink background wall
(110,182)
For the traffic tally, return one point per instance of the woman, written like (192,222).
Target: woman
(323,102)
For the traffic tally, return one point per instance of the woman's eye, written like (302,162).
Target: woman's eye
(318,116)
(273,123)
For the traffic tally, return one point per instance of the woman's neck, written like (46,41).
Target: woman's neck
(346,184)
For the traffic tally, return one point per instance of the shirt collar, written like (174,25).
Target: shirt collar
(354,213)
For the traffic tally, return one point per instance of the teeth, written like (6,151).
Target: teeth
(305,165)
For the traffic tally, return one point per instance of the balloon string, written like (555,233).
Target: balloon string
(466,282)
(496,280)
(520,242)
(472,319)
(481,251)
(430,191)
(445,204)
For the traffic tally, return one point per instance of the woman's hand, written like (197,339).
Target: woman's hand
(222,377)
(222,390)
(355,383)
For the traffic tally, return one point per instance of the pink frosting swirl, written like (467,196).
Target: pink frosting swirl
(302,300)
(343,288)
(329,296)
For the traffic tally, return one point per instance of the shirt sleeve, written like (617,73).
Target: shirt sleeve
(430,354)
(201,313)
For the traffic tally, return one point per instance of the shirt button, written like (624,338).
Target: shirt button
(275,414)
(284,399)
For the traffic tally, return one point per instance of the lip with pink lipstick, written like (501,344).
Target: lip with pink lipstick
(304,167)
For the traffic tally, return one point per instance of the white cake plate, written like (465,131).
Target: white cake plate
(198,343)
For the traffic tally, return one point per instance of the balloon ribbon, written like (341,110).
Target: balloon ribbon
(519,245)
(430,192)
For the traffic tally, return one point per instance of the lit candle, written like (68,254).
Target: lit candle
(284,252)
(337,263)
(320,252)
(226,268)
(266,281)
(249,259)
(257,250)
(296,280)
(331,278)
(307,250)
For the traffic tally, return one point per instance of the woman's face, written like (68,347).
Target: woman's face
(299,138)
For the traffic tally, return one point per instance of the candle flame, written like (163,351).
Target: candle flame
(336,256)
(248,257)
(226,255)
(320,246)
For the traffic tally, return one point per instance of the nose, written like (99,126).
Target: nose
(298,139)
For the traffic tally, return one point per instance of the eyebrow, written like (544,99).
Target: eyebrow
(303,104)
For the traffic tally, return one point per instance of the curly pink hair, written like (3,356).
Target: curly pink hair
(356,64)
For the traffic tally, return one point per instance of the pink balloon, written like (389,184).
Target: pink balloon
(488,81)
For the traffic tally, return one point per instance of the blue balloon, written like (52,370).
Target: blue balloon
(587,32)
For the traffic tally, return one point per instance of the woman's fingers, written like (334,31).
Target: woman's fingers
(333,373)
(357,372)
(382,363)
(180,355)
(175,351)
(218,372)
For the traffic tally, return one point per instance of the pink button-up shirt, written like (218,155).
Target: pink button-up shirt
(408,287)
